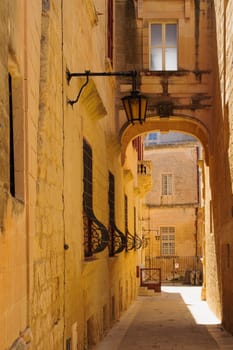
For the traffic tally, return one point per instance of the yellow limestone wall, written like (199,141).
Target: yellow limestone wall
(221,163)
(19,36)
(178,210)
(51,296)
(47,294)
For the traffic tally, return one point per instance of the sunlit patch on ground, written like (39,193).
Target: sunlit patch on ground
(198,308)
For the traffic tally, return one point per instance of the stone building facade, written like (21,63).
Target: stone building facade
(61,288)
(220,200)
(172,206)
(69,236)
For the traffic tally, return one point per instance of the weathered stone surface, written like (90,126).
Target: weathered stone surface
(39,40)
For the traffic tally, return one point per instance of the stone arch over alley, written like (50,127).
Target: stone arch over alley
(71,199)
(196,128)
(187,125)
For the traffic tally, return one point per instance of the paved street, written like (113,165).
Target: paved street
(173,320)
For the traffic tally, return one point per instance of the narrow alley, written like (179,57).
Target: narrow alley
(116,174)
(174,319)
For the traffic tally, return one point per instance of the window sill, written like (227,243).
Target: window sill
(179,72)
(89,259)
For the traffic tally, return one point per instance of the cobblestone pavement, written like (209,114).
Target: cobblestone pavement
(175,319)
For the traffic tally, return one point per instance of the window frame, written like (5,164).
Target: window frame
(117,239)
(126,212)
(167,246)
(167,188)
(110,11)
(96,235)
(163,45)
(87,196)
(11,133)
(16,137)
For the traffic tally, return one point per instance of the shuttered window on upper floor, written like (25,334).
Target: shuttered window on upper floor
(163,47)
(167,240)
(166,184)
(16,137)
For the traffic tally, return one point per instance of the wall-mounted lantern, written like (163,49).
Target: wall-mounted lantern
(135,105)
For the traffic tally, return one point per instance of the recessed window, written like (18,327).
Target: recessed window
(117,239)
(110,30)
(166,184)
(87,197)
(126,213)
(135,219)
(163,46)
(167,240)
(153,136)
(95,233)
(16,137)
(87,175)
(11,126)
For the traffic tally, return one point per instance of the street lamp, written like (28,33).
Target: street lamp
(135,105)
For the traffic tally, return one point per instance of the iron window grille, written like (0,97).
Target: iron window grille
(110,30)
(132,241)
(126,213)
(11,126)
(138,240)
(117,241)
(96,235)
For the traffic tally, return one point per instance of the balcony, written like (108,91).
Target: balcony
(144,177)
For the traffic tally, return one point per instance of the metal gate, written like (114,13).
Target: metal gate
(151,278)
(177,269)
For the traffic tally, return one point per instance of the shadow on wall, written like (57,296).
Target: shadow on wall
(222,199)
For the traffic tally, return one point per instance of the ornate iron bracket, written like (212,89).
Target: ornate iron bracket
(138,242)
(133,241)
(117,240)
(88,73)
(95,233)
(130,241)
(145,241)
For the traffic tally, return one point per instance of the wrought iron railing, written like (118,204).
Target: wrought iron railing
(96,235)
(130,241)
(138,242)
(145,241)
(133,241)
(144,167)
(176,269)
(117,242)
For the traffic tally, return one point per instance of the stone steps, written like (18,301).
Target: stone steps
(144,291)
